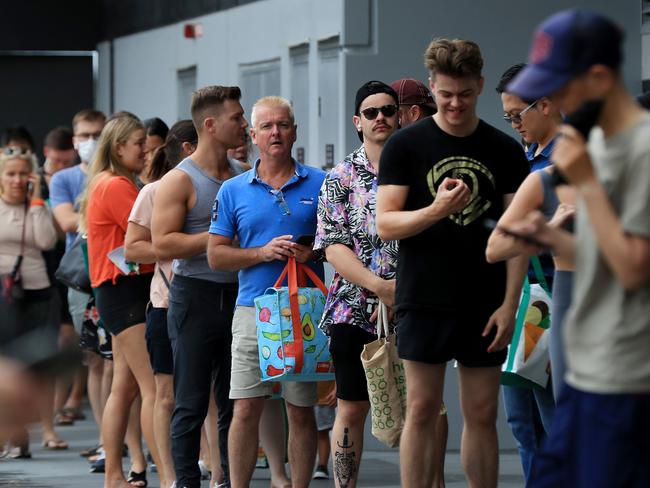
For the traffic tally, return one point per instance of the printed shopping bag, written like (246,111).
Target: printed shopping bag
(528,361)
(291,346)
(386,383)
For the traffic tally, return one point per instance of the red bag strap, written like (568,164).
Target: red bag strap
(301,270)
(298,342)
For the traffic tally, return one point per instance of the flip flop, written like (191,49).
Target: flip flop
(63,418)
(74,413)
(19,452)
(138,480)
(55,444)
(91,451)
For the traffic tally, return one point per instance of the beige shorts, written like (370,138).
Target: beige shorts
(245,378)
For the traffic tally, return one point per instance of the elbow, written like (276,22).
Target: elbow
(382,231)
(217,261)
(491,254)
(162,252)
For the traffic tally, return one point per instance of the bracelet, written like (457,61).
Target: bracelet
(37,202)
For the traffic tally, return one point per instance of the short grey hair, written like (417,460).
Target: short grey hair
(272,101)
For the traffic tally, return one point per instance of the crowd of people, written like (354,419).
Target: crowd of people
(177,233)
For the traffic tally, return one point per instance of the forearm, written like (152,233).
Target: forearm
(347,264)
(516,268)
(177,245)
(141,252)
(400,224)
(228,258)
(616,247)
(68,223)
(43,229)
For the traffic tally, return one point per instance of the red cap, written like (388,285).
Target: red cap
(412,92)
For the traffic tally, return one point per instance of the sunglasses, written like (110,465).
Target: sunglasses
(15,151)
(371,113)
(517,118)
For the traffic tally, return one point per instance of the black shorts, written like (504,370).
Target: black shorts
(346,344)
(437,336)
(158,344)
(123,304)
(64,311)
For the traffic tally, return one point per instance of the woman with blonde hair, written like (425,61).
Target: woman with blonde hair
(121,288)
(27,307)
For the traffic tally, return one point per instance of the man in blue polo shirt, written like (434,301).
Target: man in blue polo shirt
(266,209)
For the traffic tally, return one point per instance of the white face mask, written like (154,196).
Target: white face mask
(86,150)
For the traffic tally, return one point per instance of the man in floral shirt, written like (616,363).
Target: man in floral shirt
(364,265)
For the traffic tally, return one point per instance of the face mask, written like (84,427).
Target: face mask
(586,117)
(86,150)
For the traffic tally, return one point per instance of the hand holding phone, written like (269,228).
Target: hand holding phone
(306,240)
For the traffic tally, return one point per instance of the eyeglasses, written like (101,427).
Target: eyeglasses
(371,113)
(89,135)
(279,197)
(517,118)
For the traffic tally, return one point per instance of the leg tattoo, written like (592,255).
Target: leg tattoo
(345,463)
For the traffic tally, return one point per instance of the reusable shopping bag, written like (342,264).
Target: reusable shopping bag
(528,361)
(386,383)
(291,346)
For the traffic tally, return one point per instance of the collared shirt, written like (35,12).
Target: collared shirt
(256,213)
(346,215)
(543,159)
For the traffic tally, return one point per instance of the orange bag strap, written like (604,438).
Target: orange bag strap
(298,343)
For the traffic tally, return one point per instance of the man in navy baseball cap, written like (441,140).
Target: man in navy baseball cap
(601,427)
(565,46)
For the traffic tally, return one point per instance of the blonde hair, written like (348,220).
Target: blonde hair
(116,132)
(271,101)
(28,156)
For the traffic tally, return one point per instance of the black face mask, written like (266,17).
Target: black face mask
(583,120)
(586,116)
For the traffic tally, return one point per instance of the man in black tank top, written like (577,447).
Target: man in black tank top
(201,301)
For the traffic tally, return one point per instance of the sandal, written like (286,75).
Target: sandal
(19,452)
(63,418)
(137,479)
(74,413)
(91,451)
(55,444)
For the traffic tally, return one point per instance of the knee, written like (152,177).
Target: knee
(352,413)
(481,414)
(301,417)
(249,409)
(165,399)
(422,411)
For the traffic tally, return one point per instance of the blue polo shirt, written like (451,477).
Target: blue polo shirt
(250,209)
(543,159)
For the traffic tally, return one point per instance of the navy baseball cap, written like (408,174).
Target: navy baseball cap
(566,45)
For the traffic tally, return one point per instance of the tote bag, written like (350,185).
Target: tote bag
(386,383)
(291,347)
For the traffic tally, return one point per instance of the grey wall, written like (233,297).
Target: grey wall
(503,29)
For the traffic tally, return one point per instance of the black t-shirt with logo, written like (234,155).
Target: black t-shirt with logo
(444,266)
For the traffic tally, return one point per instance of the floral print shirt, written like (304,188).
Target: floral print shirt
(346,215)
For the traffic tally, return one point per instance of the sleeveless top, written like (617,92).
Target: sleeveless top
(551,201)
(198,220)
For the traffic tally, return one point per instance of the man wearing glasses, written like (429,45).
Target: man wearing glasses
(266,210)
(529,412)
(365,269)
(438,180)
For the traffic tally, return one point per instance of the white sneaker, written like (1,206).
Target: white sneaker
(321,473)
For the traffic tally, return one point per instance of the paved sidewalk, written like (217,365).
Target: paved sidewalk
(59,469)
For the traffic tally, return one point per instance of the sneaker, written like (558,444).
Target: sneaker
(321,473)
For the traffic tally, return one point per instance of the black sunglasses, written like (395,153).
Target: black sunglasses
(371,113)
(15,151)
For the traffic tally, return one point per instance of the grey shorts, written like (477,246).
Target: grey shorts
(245,378)
(77,301)
(325,416)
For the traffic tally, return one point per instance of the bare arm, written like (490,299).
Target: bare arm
(347,264)
(394,223)
(529,197)
(223,255)
(66,217)
(173,196)
(138,247)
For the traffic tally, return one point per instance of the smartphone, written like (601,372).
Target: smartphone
(492,225)
(305,240)
(30,188)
